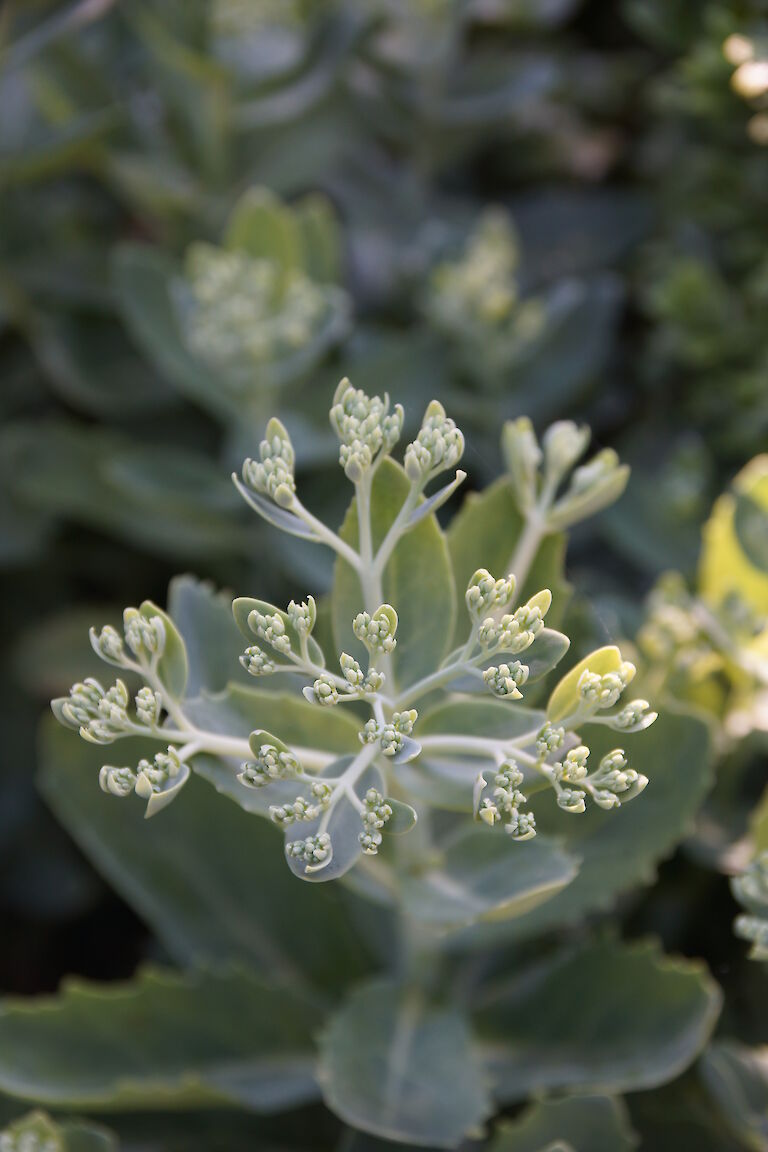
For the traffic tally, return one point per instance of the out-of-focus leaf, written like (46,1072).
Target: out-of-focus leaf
(725,567)
(192,873)
(539,1035)
(141,278)
(163,1041)
(751,524)
(737,1077)
(171,500)
(212,639)
(589,1123)
(417,582)
(402,1069)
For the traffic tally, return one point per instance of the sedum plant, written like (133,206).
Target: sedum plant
(405,736)
(418,700)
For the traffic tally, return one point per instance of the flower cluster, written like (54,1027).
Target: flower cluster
(751,890)
(539,470)
(337,790)
(272,473)
(365,427)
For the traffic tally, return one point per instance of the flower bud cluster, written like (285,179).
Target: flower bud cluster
(598,692)
(506,679)
(301,809)
(153,776)
(522,456)
(271,629)
(303,615)
(550,739)
(614,782)
(438,446)
(516,631)
(633,716)
(485,593)
(377,632)
(117,781)
(145,637)
(271,764)
(100,715)
(391,736)
(256,662)
(376,813)
(272,474)
(312,851)
(564,443)
(505,802)
(365,427)
(149,706)
(361,683)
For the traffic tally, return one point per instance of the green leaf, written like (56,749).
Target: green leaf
(402,1069)
(496,719)
(141,278)
(737,1077)
(555,1028)
(417,582)
(209,879)
(36,1130)
(163,1041)
(172,667)
(589,1123)
(212,640)
(565,699)
(483,535)
(482,875)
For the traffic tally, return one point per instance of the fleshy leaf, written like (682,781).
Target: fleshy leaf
(737,1077)
(483,876)
(200,1040)
(541,1036)
(402,1069)
(212,640)
(172,666)
(589,1123)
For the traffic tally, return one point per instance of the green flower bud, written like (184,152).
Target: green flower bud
(484,593)
(149,706)
(272,474)
(522,456)
(506,679)
(117,781)
(256,662)
(312,851)
(564,443)
(325,692)
(364,426)
(377,632)
(438,446)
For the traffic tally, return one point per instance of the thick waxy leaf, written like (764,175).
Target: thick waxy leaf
(484,534)
(492,718)
(208,878)
(395,1066)
(737,1077)
(165,1040)
(483,875)
(558,1027)
(39,1133)
(565,699)
(589,1123)
(211,637)
(675,751)
(417,582)
(273,514)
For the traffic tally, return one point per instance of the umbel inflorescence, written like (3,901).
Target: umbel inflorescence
(408,665)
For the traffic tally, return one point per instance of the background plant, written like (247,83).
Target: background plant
(552,211)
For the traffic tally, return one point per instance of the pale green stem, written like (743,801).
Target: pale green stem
(534,531)
(326,535)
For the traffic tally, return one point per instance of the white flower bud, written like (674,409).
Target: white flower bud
(365,427)
(523,456)
(438,446)
(564,443)
(272,474)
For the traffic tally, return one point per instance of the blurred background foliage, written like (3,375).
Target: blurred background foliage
(210,210)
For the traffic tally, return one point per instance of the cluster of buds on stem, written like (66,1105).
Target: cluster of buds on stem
(393,737)
(365,426)
(157,781)
(272,761)
(438,447)
(504,804)
(272,474)
(751,890)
